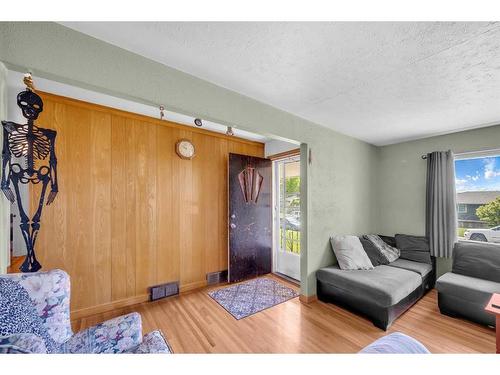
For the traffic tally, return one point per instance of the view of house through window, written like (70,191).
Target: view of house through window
(478,198)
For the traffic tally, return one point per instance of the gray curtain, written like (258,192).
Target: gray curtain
(441,215)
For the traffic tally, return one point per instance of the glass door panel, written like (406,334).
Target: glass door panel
(287,197)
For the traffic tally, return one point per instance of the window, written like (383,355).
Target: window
(477,179)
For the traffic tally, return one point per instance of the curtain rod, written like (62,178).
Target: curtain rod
(472,154)
(478,153)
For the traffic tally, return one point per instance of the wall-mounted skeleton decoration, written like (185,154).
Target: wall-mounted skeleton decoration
(28,156)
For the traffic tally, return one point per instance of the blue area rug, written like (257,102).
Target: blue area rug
(250,297)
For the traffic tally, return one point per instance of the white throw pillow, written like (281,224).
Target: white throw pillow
(350,253)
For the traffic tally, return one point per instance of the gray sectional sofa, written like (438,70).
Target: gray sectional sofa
(385,292)
(475,276)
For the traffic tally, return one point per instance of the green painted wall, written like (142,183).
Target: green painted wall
(4,203)
(340,180)
(402,174)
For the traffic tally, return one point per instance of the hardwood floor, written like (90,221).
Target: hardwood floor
(194,323)
(15,263)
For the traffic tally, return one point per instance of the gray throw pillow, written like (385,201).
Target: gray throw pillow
(389,252)
(373,253)
(391,241)
(350,253)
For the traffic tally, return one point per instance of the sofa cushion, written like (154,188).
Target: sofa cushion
(50,293)
(477,259)
(423,269)
(152,343)
(117,335)
(18,314)
(383,285)
(467,288)
(414,248)
(373,253)
(350,253)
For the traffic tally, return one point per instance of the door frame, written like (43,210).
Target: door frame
(295,156)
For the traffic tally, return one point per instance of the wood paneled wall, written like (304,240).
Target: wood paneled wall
(130,213)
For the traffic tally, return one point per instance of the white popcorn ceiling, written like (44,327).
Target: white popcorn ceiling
(381,82)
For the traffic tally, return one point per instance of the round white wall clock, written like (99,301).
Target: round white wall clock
(185,149)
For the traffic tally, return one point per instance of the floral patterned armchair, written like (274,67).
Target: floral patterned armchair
(49,293)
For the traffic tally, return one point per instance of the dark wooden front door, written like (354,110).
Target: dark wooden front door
(250,217)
